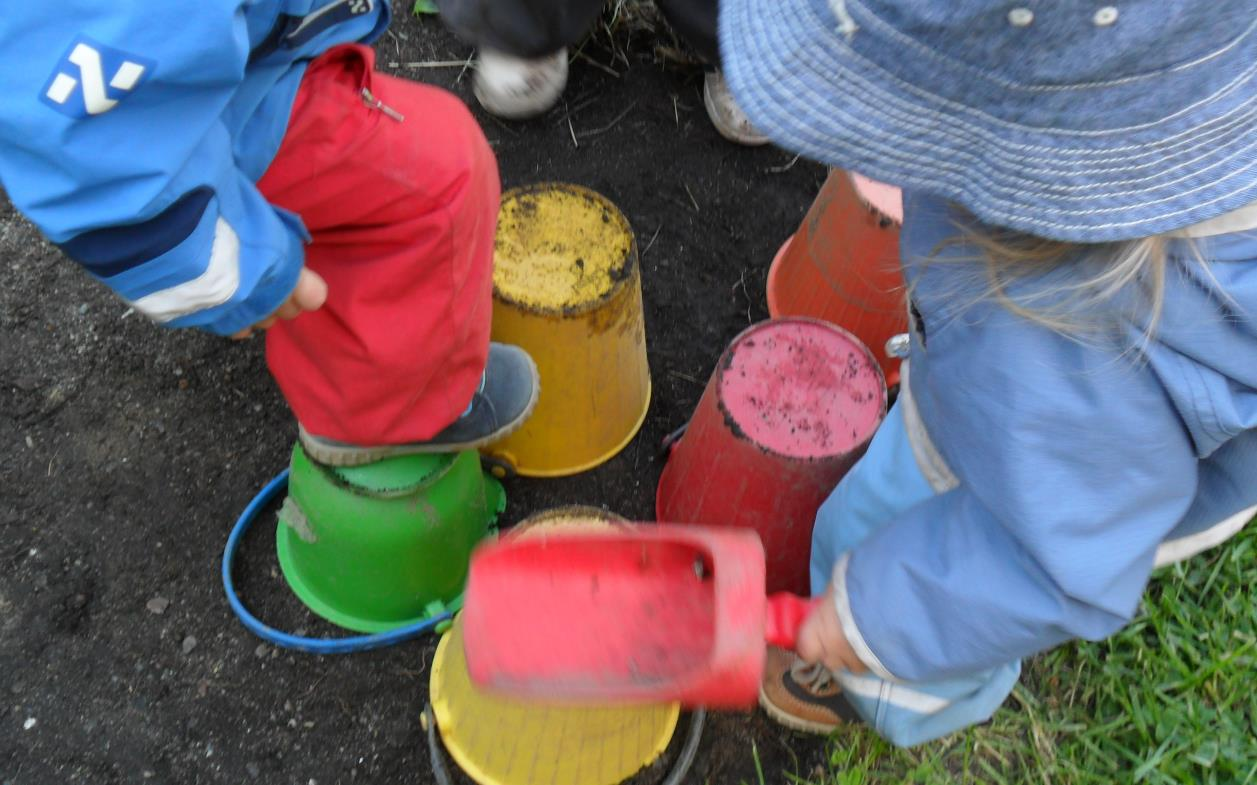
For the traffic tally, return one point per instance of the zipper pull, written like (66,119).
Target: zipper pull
(375,103)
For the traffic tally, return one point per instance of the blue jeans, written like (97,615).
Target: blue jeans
(884,483)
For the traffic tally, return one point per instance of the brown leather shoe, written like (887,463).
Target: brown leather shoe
(802,696)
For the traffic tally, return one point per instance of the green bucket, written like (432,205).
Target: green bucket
(372,548)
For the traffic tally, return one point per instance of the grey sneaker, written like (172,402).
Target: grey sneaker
(725,115)
(507,396)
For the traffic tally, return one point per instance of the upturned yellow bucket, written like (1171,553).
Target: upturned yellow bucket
(500,741)
(567,288)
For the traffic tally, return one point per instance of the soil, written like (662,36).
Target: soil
(127,451)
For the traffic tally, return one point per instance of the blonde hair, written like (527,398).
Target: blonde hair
(1133,267)
(1082,304)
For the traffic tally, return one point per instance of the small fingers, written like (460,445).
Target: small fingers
(289,310)
(821,639)
(308,295)
(810,645)
(310,292)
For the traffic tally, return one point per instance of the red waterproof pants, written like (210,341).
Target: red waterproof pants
(402,214)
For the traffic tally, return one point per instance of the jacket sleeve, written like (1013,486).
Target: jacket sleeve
(1073,466)
(113,143)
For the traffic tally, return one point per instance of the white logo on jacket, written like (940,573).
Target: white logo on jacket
(102,75)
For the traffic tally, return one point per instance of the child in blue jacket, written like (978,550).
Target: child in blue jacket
(1080,251)
(235,165)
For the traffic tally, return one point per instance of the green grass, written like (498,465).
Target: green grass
(1170,699)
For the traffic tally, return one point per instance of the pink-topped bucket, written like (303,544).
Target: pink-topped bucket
(791,407)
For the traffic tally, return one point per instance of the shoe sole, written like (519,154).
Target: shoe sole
(728,133)
(498,110)
(783,717)
(332,455)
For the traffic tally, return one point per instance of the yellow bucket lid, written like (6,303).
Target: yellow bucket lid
(503,742)
(560,249)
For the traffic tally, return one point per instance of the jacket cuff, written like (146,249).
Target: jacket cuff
(842,604)
(265,283)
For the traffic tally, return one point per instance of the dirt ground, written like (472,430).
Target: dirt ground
(126,452)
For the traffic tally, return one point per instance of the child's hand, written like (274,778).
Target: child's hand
(821,639)
(308,295)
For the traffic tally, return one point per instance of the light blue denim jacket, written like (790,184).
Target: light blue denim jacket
(1071,463)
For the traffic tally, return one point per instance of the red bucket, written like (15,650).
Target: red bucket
(842,265)
(791,406)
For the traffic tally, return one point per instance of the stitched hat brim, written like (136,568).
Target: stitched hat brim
(810,90)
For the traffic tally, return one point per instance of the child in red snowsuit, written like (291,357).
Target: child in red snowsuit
(242,168)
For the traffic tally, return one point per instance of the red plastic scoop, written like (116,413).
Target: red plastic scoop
(640,613)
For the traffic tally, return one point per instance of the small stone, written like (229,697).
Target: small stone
(148,774)
(253,770)
(83,309)
(189,643)
(158,605)
(183,384)
(30,443)
(30,723)
(260,651)
(257,407)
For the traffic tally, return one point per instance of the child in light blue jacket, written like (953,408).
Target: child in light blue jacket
(240,166)
(1080,401)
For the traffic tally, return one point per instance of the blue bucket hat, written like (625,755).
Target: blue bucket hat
(1067,119)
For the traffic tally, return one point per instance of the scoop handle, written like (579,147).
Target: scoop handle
(784,615)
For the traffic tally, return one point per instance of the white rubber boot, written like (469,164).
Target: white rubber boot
(516,88)
(725,114)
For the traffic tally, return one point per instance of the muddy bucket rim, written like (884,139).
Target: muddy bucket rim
(619,281)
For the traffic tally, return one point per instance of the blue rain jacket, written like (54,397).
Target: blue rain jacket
(1075,459)
(132,133)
